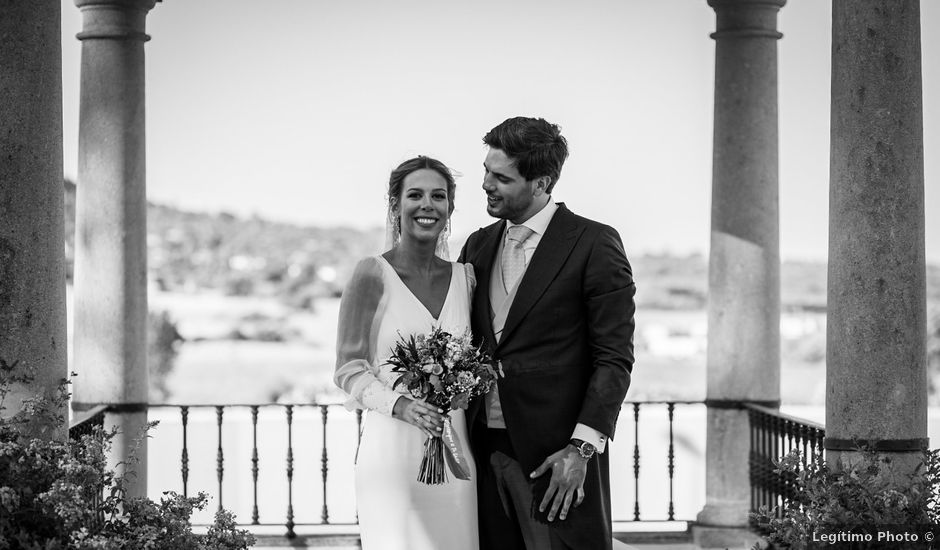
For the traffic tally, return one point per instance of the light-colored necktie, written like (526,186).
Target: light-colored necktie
(513,260)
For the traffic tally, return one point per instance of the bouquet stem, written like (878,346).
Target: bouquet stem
(431,471)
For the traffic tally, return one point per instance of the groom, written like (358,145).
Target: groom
(554,305)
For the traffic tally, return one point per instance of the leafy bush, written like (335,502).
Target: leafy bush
(850,497)
(57,494)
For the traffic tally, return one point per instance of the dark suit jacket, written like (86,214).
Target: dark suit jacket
(566,350)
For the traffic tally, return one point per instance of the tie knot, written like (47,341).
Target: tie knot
(519,233)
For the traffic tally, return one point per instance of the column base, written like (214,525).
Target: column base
(726,538)
(725,513)
(724,525)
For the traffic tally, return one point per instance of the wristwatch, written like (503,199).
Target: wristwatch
(585,449)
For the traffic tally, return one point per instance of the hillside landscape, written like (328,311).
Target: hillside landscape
(235,299)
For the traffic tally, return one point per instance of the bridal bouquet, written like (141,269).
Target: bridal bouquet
(447,371)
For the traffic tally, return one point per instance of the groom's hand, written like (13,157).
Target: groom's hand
(567,483)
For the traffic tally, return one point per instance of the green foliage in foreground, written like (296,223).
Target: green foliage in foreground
(57,494)
(843,497)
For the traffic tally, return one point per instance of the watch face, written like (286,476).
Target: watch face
(587,450)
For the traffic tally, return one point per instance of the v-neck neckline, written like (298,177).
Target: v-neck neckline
(414,296)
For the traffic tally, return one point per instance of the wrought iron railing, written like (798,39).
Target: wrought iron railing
(653,472)
(222,463)
(668,458)
(774,435)
(85,423)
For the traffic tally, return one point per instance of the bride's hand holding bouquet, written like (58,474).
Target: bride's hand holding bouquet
(427,418)
(443,372)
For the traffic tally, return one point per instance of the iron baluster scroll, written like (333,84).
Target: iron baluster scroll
(636,461)
(290,473)
(324,467)
(220,457)
(671,468)
(254,464)
(184,458)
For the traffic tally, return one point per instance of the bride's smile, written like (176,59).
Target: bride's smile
(424,205)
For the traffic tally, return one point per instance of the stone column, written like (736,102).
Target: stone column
(111,223)
(32,250)
(876,331)
(744,260)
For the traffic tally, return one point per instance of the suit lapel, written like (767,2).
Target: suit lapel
(484,263)
(554,248)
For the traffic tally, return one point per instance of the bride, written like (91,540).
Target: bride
(407,290)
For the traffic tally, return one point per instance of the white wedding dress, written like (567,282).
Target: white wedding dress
(397,512)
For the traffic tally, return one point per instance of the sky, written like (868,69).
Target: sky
(297,110)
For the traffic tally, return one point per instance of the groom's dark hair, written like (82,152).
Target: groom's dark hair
(535,145)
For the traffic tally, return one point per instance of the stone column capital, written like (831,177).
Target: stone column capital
(145,5)
(746,18)
(114,19)
(720,4)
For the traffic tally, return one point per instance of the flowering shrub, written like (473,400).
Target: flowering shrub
(850,497)
(57,494)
